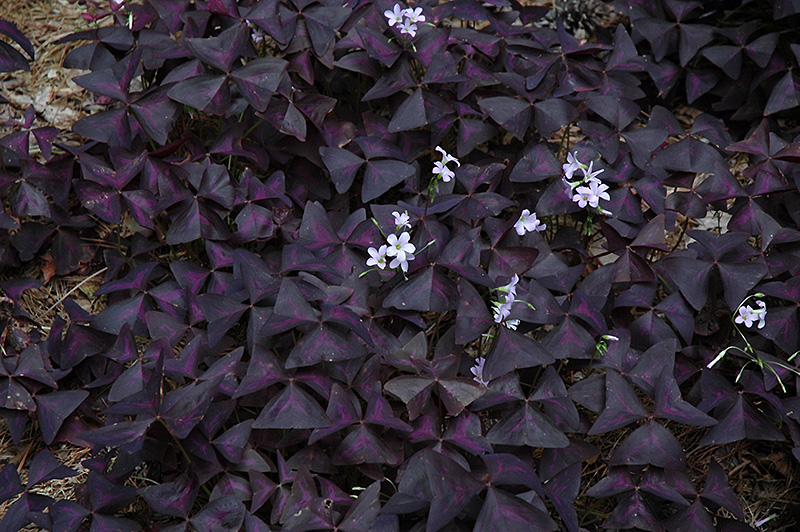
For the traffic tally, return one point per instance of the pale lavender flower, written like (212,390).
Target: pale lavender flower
(256,33)
(596,192)
(415,15)
(407,28)
(502,309)
(446,157)
(510,288)
(748,315)
(440,169)
(401,220)
(477,370)
(572,165)
(394,15)
(589,176)
(402,261)
(400,246)
(377,257)
(528,222)
(582,196)
(591,195)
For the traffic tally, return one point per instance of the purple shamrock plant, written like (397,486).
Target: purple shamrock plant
(255,169)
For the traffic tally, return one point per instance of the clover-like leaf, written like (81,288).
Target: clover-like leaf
(650,444)
(501,509)
(54,408)
(717,490)
(291,408)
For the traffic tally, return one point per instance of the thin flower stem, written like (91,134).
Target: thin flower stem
(362,274)
(378,226)
(423,248)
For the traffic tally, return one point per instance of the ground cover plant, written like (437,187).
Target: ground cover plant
(399,267)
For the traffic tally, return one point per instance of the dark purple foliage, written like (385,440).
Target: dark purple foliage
(253,372)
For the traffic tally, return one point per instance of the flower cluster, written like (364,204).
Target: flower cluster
(502,307)
(528,222)
(405,19)
(748,315)
(398,248)
(440,169)
(588,190)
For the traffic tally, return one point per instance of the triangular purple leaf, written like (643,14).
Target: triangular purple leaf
(292,408)
(622,407)
(650,444)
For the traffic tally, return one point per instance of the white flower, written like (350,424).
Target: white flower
(415,15)
(502,307)
(256,33)
(400,247)
(582,196)
(401,220)
(599,190)
(477,370)
(377,257)
(512,324)
(407,28)
(510,288)
(572,165)
(591,195)
(589,176)
(528,222)
(440,169)
(446,157)
(395,15)
(748,315)
(401,261)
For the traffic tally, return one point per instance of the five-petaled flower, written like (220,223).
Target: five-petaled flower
(402,261)
(446,157)
(400,245)
(591,194)
(588,175)
(377,257)
(477,370)
(394,15)
(401,220)
(528,222)
(441,170)
(748,315)
(572,165)
(415,15)
(257,34)
(502,307)
(407,28)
